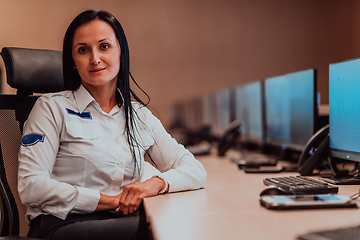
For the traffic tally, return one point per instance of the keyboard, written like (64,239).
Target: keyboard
(347,180)
(249,155)
(301,185)
(253,159)
(349,233)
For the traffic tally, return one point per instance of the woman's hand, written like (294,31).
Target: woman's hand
(107,202)
(134,193)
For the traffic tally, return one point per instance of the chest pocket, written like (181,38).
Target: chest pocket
(83,139)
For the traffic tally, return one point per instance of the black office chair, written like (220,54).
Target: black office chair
(29,71)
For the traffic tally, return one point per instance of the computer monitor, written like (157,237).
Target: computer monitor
(209,112)
(250,113)
(196,105)
(223,112)
(291,110)
(190,115)
(239,104)
(178,115)
(344,110)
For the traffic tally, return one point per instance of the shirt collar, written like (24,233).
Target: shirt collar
(83,98)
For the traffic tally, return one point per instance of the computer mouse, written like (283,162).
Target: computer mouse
(274,190)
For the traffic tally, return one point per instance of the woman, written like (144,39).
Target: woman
(82,154)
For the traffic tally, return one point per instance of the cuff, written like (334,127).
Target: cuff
(175,180)
(87,200)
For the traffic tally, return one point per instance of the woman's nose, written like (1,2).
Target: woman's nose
(95,59)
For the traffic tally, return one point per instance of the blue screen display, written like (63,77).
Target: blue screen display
(223,111)
(249,111)
(253,123)
(290,109)
(239,104)
(344,103)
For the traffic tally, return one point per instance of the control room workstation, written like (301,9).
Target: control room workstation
(274,163)
(228,208)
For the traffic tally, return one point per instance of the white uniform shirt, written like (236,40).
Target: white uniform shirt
(72,151)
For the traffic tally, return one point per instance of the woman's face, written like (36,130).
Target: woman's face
(96,53)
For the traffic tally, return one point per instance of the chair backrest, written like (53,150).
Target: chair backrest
(33,70)
(29,71)
(13,110)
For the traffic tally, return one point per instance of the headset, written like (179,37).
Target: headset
(316,149)
(229,137)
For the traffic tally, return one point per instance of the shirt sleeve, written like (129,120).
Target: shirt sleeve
(37,156)
(178,166)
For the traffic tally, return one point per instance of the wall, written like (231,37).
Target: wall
(183,48)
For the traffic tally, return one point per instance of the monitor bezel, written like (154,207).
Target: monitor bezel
(345,155)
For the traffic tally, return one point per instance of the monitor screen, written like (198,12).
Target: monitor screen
(209,111)
(198,113)
(177,113)
(183,115)
(249,112)
(189,116)
(344,113)
(222,109)
(239,104)
(291,109)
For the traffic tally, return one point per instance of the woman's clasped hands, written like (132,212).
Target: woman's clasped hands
(134,193)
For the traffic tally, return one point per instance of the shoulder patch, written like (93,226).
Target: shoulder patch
(32,139)
(84,115)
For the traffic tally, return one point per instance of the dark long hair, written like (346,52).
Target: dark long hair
(72,78)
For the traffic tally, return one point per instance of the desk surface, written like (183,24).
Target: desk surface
(228,208)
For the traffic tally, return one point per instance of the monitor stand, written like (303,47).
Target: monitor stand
(343,177)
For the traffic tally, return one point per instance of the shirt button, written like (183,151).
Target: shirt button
(121,164)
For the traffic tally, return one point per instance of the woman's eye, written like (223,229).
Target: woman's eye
(105,46)
(82,50)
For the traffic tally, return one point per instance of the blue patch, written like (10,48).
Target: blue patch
(84,115)
(32,139)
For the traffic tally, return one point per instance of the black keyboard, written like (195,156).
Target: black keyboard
(301,185)
(347,180)
(350,233)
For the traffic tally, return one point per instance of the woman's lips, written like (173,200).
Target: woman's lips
(97,70)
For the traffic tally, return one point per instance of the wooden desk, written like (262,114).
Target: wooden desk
(228,208)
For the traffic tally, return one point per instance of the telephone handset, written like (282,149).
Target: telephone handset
(316,149)
(229,137)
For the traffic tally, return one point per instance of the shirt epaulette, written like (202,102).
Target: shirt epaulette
(65,94)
